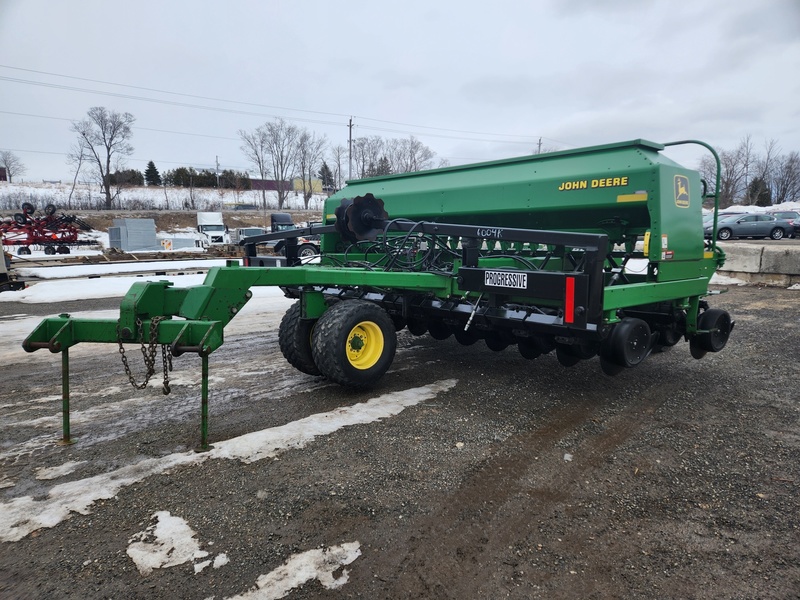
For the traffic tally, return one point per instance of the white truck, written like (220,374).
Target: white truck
(212,230)
(237,235)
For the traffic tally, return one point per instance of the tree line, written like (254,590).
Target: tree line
(279,152)
(750,177)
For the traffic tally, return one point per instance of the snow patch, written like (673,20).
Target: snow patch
(268,443)
(301,568)
(45,473)
(21,516)
(718,279)
(167,543)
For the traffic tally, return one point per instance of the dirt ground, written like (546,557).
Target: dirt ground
(519,479)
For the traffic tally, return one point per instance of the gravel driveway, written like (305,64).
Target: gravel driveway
(466,474)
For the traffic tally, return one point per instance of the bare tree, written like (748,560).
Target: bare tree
(282,141)
(12,164)
(732,182)
(104,138)
(310,150)
(274,144)
(413,156)
(785,178)
(367,152)
(759,175)
(255,149)
(748,177)
(339,159)
(75,157)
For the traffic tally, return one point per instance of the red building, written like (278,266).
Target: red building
(270,185)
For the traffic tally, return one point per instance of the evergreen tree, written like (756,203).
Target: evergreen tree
(126,177)
(205,179)
(384,167)
(151,175)
(326,175)
(233,180)
(760,193)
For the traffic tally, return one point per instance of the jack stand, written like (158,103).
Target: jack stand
(204,445)
(65,440)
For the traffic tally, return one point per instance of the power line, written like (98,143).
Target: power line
(529,138)
(147,89)
(206,135)
(164,102)
(134,159)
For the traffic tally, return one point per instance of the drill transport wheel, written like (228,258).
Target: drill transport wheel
(354,343)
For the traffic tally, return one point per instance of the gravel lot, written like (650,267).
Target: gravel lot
(501,477)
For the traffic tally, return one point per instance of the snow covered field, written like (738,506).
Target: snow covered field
(89,197)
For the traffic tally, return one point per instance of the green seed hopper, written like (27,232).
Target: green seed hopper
(594,252)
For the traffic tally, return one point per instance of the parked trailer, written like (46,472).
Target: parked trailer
(8,282)
(590,253)
(56,234)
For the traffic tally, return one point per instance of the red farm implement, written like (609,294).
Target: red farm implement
(54,233)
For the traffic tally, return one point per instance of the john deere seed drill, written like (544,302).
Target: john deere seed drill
(594,253)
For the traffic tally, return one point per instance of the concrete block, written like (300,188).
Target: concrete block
(781,259)
(742,258)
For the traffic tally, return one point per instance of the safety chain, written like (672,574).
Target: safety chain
(149,354)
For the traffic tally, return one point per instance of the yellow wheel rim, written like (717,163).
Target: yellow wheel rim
(364,345)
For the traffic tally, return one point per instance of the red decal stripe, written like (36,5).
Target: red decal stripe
(569,301)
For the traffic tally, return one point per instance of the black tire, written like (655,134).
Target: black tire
(417,327)
(609,368)
(23,251)
(354,343)
(724,234)
(63,250)
(439,330)
(20,219)
(496,343)
(629,343)
(49,250)
(776,234)
(294,339)
(667,338)
(399,322)
(529,349)
(465,338)
(718,325)
(50,210)
(565,356)
(28,208)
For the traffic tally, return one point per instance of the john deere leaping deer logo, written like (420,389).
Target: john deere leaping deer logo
(681,191)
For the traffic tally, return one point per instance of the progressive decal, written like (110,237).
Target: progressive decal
(507,280)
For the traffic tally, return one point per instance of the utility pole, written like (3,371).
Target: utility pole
(539,151)
(217,171)
(350,149)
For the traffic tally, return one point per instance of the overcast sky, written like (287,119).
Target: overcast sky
(472,80)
